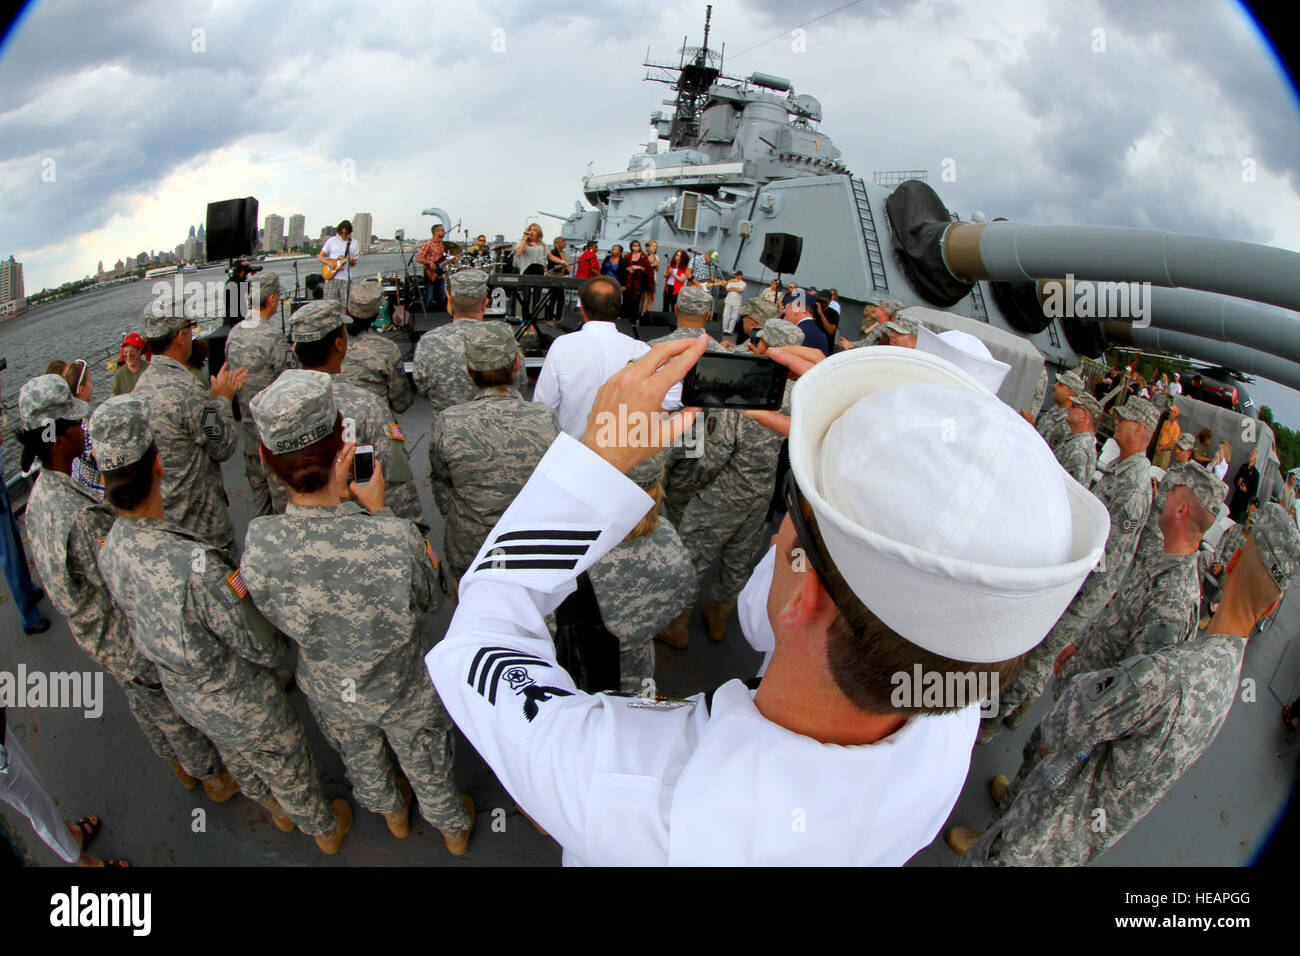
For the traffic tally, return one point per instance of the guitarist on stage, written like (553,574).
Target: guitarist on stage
(337,257)
(432,256)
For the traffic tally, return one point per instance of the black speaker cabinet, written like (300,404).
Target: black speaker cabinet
(781,251)
(232,228)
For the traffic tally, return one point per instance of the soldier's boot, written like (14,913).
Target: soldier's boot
(221,787)
(961,839)
(715,620)
(188,782)
(399,820)
(989,728)
(458,840)
(283,822)
(329,843)
(678,632)
(998,787)
(1017,716)
(536,826)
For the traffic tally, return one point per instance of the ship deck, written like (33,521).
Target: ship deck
(1219,813)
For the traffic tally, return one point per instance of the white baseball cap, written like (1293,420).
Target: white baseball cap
(967,352)
(943,509)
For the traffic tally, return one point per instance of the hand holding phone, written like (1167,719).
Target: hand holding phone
(734,380)
(363,464)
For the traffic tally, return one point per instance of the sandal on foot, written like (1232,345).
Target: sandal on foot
(89,826)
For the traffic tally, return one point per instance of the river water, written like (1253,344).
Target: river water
(90,326)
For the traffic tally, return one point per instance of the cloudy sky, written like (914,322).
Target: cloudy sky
(121,122)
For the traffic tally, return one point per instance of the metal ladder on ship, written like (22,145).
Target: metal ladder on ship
(879,281)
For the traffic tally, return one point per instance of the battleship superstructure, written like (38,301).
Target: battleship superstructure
(739,158)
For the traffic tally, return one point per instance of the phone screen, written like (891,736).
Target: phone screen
(723,380)
(363,464)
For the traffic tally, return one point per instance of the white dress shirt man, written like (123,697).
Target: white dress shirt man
(579,363)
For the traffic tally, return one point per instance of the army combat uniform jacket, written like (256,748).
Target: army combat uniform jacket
(737,475)
(349,588)
(1158,606)
(623,780)
(67,524)
(1077,454)
(1142,723)
(258,345)
(195,433)
(191,615)
(480,455)
(1052,426)
(641,585)
(374,363)
(1126,492)
(439,367)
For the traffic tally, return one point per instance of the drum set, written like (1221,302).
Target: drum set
(498,258)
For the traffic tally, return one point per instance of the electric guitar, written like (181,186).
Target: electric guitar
(330,268)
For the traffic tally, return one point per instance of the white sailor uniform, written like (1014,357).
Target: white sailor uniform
(627,781)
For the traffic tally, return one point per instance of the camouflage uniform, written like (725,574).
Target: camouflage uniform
(480,454)
(195,433)
(349,587)
(680,470)
(256,344)
(1052,426)
(215,652)
(737,476)
(1151,542)
(641,585)
(1143,723)
(439,366)
(1126,493)
(66,525)
(1158,606)
(375,364)
(1040,394)
(1078,456)
(1231,540)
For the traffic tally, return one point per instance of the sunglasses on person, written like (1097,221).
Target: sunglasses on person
(794,507)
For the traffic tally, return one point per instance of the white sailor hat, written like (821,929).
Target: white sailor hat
(965,351)
(945,512)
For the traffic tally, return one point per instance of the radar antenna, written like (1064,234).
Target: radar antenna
(696,70)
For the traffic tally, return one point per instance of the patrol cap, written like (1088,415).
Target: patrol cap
(890,305)
(902,326)
(694,300)
(315,320)
(965,351)
(295,411)
(263,284)
(1277,541)
(760,310)
(979,552)
(1072,381)
(1185,441)
(1202,483)
(363,300)
(48,398)
(164,316)
(1139,410)
(779,332)
(120,432)
(650,472)
(1084,400)
(489,346)
(468,284)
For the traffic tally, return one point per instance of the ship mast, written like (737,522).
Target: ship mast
(696,71)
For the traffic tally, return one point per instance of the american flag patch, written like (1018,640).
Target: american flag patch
(433,558)
(236,582)
(396,431)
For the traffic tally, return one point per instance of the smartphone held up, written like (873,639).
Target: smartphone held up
(727,380)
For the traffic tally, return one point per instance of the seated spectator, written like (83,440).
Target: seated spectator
(1201,452)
